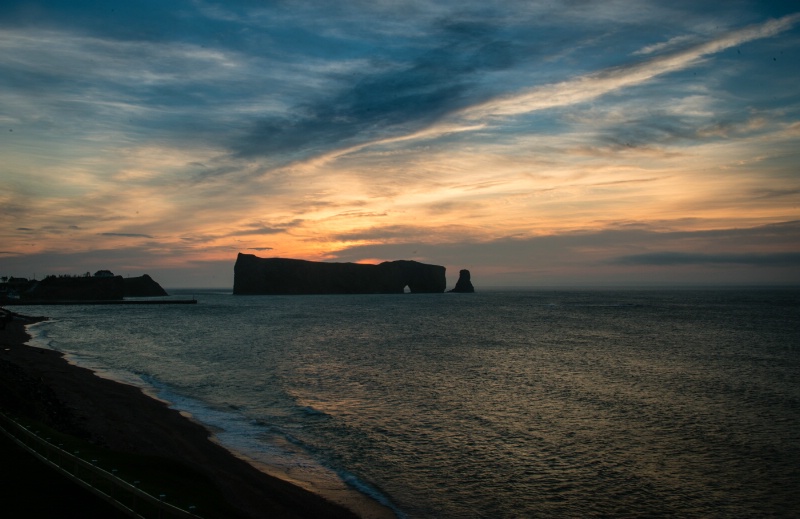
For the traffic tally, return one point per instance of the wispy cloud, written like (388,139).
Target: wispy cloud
(784,259)
(421,106)
(390,101)
(258,231)
(125,234)
(591,86)
(677,41)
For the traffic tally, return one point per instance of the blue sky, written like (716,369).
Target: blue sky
(534,143)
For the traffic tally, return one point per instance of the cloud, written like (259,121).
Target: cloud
(785,259)
(404,233)
(125,234)
(389,99)
(671,43)
(765,193)
(263,230)
(591,86)
(617,243)
(439,94)
(258,231)
(512,134)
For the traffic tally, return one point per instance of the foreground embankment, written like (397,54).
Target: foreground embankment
(143,436)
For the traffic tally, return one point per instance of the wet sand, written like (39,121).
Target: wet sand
(41,385)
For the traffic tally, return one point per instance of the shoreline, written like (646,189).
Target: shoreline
(40,384)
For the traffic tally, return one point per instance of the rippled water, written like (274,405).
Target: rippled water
(494,404)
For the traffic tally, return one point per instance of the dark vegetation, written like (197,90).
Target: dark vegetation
(103,285)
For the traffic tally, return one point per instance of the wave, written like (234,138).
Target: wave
(274,451)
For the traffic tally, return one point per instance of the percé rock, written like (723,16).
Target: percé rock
(464,284)
(255,275)
(143,286)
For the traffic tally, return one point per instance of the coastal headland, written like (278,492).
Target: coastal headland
(102,286)
(117,421)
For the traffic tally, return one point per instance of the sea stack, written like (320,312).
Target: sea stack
(464,284)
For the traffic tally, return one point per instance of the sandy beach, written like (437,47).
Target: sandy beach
(39,384)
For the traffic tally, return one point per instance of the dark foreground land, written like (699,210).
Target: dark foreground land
(140,436)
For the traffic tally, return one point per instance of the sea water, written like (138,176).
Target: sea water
(539,403)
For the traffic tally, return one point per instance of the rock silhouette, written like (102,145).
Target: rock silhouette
(464,284)
(255,275)
(143,286)
(103,286)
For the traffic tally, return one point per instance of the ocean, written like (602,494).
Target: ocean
(501,404)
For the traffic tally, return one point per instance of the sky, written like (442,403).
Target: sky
(535,143)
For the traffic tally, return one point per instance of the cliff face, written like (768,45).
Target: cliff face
(143,286)
(254,275)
